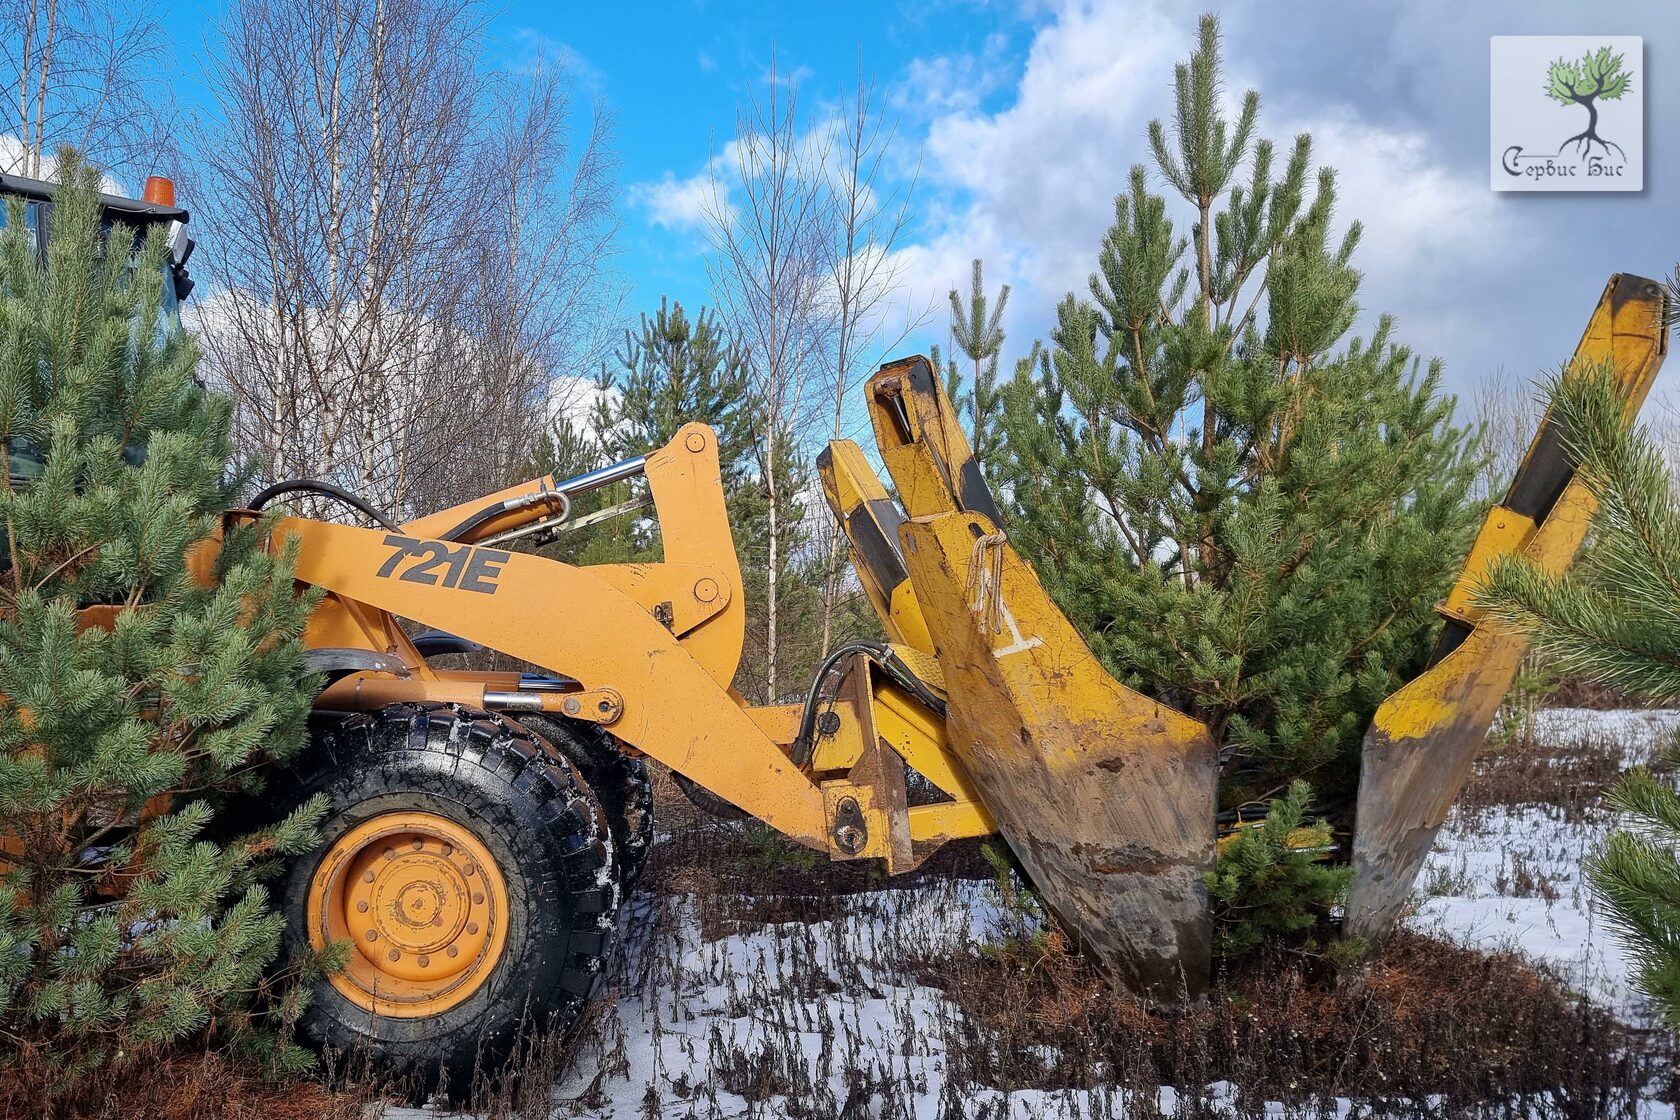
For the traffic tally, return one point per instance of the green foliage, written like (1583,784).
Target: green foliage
(1615,617)
(1026,926)
(1248,514)
(122,927)
(1597,74)
(977,330)
(1637,877)
(672,370)
(1271,884)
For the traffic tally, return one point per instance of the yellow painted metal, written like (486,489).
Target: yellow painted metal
(1422,741)
(425,906)
(567,620)
(870,519)
(922,442)
(949,820)
(1106,796)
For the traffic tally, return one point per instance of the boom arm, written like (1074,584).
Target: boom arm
(1421,743)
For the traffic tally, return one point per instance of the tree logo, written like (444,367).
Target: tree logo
(1582,128)
(1597,77)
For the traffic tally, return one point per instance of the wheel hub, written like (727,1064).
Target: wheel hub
(422,901)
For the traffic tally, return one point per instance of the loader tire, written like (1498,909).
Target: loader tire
(620,782)
(465,863)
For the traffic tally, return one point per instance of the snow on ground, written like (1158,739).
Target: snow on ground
(702,1024)
(1512,876)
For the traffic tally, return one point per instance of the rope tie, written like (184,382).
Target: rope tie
(985,583)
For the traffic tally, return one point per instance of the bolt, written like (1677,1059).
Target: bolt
(478,898)
(472,927)
(373,935)
(605,705)
(572,708)
(361,907)
(472,869)
(425,960)
(452,951)
(367,876)
(393,955)
(390,853)
(418,843)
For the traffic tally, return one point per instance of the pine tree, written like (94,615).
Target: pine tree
(670,371)
(1615,617)
(1271,883)
(1249,514)
(130,691)
(978,333)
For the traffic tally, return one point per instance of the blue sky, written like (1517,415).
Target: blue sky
(1026,117)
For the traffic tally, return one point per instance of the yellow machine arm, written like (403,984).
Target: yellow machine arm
(985,689)
(1106,796)
(1423,739)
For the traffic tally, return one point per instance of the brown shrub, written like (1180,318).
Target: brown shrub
(1424,1019)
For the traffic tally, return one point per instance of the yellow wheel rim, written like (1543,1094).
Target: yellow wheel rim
(424,904)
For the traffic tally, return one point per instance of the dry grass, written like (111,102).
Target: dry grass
(1572,776)
(1427,1019)
(191,1087)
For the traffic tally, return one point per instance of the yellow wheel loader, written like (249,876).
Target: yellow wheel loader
(481,823)
(483,827)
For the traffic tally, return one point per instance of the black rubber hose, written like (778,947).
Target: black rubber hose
(878,652)
(494,510)
(327,489)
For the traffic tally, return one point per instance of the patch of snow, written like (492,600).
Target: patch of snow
(827,1003)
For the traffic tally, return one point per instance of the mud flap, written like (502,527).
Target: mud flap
(1422,741)
(1105,796)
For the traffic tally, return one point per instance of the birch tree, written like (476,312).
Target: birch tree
(870,218)
(771,223)
(84,74)
(404,239)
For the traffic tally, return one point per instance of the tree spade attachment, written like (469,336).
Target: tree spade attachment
(1423,739)
(1105,796)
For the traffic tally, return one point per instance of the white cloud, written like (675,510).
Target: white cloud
(673,203)
(1029,188)
(11,162)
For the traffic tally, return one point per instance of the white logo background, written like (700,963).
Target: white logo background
(1530,133)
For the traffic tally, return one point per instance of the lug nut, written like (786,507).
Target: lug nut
(472,927)
(361,907)
(472,869)
(478,898)
(449,849)
(418,843)
(393,955)
(424,961)
(367,876)
(373,935)
(452,951)
(390,853)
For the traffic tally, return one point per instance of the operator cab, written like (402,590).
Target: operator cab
(25,459)
(156,206)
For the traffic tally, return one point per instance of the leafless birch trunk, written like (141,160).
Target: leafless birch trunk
(771,224)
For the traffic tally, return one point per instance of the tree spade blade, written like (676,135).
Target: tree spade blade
(1105,796)
(1418,751)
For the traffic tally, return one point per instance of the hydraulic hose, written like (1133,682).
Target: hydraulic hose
(326,489)
(881,654)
